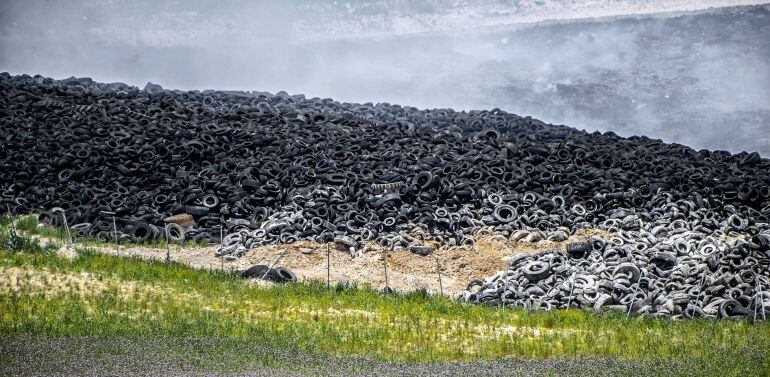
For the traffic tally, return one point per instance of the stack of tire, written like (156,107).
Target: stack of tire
(666,274)
(278,168)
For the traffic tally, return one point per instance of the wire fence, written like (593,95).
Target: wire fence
(72,241)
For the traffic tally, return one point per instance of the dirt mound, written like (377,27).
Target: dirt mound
(406,271)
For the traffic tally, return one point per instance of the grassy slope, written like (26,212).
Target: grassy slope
(104,297)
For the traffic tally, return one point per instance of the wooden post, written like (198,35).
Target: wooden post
(13,223)
(758,297)
(572,289)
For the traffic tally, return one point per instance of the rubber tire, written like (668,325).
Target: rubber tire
(257,271)
(176,234)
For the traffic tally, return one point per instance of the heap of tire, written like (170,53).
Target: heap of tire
(276,168)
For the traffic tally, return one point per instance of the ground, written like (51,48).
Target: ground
(88,312)
(406,271)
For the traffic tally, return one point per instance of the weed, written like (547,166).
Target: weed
(11,240)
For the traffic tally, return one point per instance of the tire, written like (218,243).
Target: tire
(475,283)
(505,213)
(176,233)
(283,275)
(664,261)
(579,247)
(209,201)
(196,211)
(257,272)
(536,271)
(732,309)
(421,250)
(140,232)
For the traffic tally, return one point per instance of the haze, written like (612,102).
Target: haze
(695,73)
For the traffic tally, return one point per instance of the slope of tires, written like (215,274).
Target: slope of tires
(692,226)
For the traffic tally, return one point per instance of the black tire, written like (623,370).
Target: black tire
(140,232)
(421,250)
(176,234)
(283,275)
(475,283)
(257,272)
(196,211)
(505,213)
(579,247)
(536,271)
(732,309)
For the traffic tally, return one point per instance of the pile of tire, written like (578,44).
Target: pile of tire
(278,168)
(668,272)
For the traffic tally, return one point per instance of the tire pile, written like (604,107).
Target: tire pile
(692,226)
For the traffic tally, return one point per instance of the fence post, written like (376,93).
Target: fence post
(114,230)
(66,226)
(699,300)
(438,269)
(762,302)
(168,248)
(502,300)
(8,215)
(221,245)
(327,267)
(385,264)
(571,288)
(757,297)
(758,301)
(633,298)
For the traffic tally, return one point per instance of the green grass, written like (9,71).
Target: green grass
(14,240)
(103,296)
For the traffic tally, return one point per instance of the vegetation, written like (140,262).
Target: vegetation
(13,240)
(101,296)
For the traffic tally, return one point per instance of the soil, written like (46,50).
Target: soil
(406,271)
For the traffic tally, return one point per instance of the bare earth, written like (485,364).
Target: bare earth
(406,271)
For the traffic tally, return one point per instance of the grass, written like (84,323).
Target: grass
(107,297)
(14,240)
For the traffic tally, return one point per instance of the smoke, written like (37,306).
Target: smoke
(700,78)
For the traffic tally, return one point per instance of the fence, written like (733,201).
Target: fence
(71,241)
